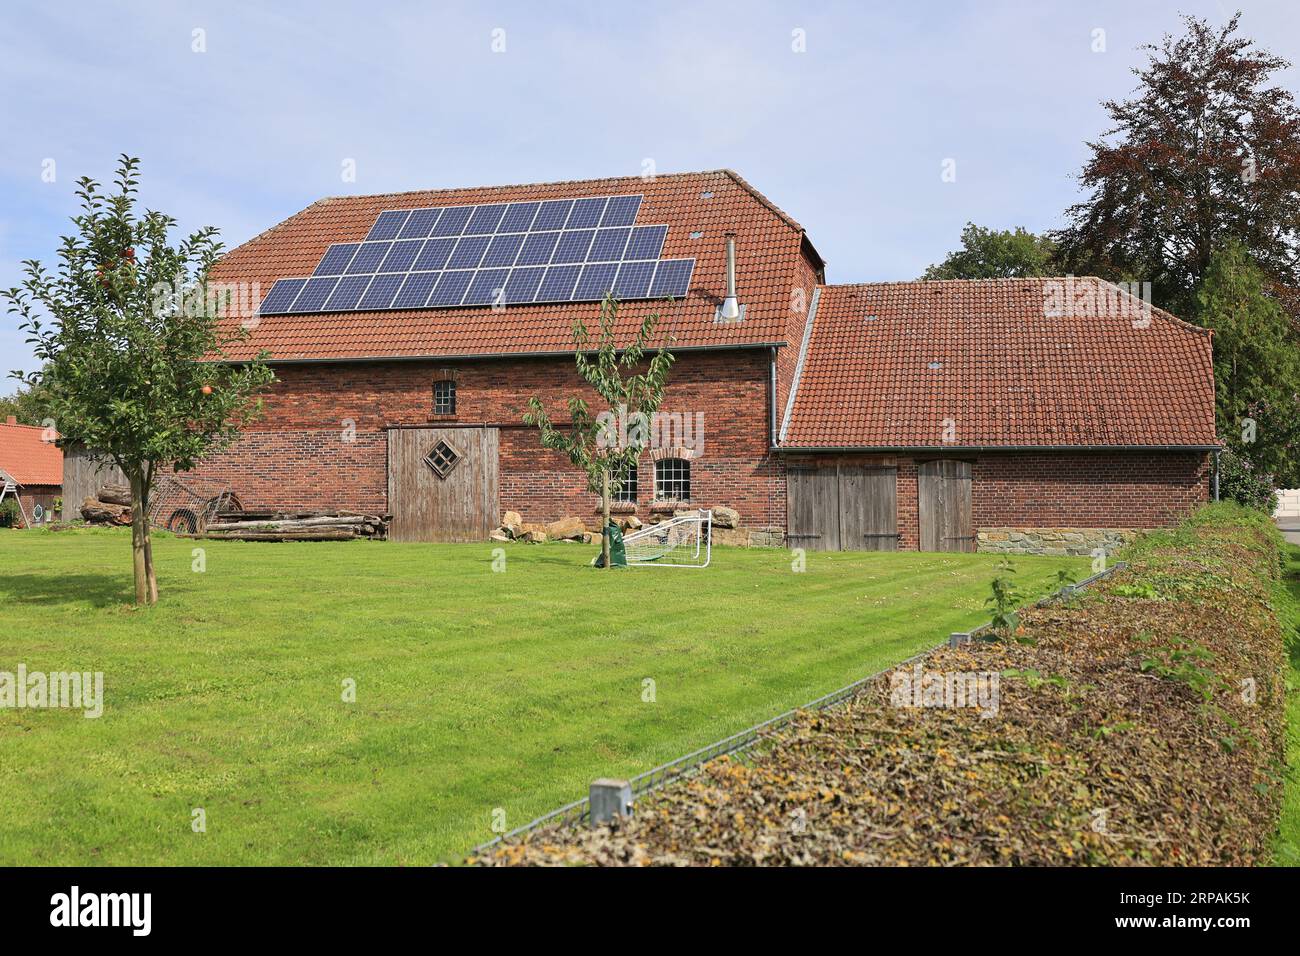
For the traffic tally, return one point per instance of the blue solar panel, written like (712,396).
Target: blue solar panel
(401,256)
(485,219)
(503,250)
(420,224)
(646,242)
(586,213)
(573,246)
(281,296)
(388,225)
(596,280)
(553,214)
(537,249)
(336,259)
(452,221)
(434,255)
(672,278)
(486,289)
(450,288)
(469,252)
(522,284)
(633,280)
(347,294)
(608,245)
(415,290)
(369,256)
(621,211)
(557,250)
(381,292)
(558,284)
(314,294)
(519,217)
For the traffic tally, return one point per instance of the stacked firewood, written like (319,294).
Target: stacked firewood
(111,505)
(300,526)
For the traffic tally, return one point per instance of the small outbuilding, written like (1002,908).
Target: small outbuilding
(31,471)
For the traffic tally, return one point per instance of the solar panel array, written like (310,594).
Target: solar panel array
(555,250)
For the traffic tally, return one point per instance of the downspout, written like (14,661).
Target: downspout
(771,401)
(1216,475)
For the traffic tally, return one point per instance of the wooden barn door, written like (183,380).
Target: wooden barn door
(868,507)
(812,507)
(442,483)
(944,501)
(836,505)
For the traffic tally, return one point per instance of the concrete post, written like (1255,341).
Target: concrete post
(610,799)
(957,638)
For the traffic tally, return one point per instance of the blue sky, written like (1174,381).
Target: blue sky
(848,136)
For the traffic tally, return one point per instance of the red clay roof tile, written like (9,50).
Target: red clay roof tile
(710,203)
(891,365)
(27,458)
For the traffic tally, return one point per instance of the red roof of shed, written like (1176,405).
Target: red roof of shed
(1003,362)
(27,458)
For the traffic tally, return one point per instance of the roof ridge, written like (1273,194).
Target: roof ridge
(1155,309)
(560,182)
(266,232)
(38,428)
(773,207)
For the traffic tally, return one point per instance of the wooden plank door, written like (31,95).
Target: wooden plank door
(944,502)
(812,508)
(442,483)
(868,507)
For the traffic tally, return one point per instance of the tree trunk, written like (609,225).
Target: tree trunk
(141,552)
(604,521)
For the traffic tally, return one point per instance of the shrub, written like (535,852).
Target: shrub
(1239,481)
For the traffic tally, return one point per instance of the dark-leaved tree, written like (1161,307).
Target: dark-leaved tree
(1207,151)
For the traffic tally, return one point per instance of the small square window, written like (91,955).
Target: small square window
(444,397)
(626,494)
(673,479)
(442,459)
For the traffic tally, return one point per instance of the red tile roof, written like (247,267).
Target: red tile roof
(888,365)
(27,458)
(710,203)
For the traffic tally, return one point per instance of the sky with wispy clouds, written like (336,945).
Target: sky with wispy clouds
(244,113)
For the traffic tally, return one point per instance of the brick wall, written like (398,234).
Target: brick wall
(322,442)
(32,495)
(1098,490)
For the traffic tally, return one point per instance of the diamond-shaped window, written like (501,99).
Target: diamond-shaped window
(442,459)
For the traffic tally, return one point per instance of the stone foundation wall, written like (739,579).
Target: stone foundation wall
(1053,541)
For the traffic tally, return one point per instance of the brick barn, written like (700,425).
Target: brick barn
(1020,415)
(31,471)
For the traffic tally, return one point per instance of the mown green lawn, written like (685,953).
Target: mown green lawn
(475,690)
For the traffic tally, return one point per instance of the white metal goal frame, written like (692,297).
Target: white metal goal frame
(684,541)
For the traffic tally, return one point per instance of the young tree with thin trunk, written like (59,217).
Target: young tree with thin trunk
(607,446)
(130,337)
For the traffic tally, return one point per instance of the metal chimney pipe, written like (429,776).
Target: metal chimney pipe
(729,311)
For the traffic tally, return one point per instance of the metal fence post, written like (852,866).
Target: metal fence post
(610,799)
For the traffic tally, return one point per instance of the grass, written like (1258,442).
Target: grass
(1288,846)
(475,691)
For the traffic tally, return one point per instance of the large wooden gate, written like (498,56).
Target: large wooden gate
(944,502)
(442,483)
(838,505)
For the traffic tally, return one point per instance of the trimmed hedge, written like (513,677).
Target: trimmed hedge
(1141,722)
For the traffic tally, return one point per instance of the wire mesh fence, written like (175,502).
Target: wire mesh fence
(741,744)
(187,506)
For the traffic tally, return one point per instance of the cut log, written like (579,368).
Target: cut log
(115,495)
(99,512)
(329,535)
(273,523)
